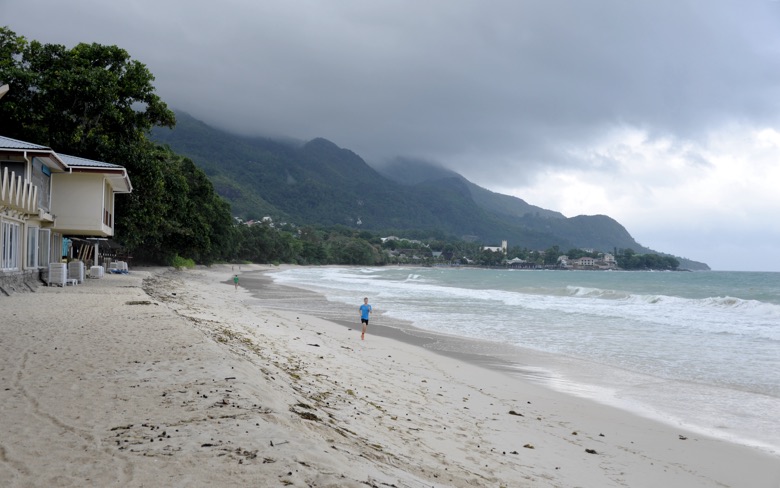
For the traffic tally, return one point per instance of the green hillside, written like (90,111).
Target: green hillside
(411,172)
(319,183)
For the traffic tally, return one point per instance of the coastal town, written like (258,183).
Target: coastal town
(418,252)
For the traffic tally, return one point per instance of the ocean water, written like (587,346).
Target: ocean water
(699,350)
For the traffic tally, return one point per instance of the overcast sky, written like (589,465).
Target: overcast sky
(663,114)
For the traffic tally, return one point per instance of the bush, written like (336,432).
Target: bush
(179,262)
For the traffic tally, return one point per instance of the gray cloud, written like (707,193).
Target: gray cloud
(507,86)
(437,76)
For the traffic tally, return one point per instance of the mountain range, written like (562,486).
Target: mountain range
(319,183)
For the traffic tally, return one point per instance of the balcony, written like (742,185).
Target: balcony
(17,194)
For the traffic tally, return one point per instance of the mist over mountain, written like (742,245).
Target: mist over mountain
(319,183)
(412,172)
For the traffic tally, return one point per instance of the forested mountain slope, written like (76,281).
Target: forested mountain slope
(319,183)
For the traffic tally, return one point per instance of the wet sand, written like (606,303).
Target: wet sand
(280,297)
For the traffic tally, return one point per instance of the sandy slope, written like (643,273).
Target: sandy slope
(177,380)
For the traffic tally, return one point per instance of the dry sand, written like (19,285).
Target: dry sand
(174,378)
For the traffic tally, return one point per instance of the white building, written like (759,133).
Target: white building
(502,249)
(45,196)
(584,262)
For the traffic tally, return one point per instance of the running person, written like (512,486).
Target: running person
(365,311)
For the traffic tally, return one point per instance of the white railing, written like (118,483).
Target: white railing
(18,194)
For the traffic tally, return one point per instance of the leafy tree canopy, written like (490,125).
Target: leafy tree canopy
(85,100)
(94,101)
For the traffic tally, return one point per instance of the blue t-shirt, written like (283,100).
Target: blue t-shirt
(364,310)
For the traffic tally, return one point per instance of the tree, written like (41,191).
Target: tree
(575,253)
(491,258)
(628,259)
(197,221)
(87,100)
(95,102)
(312,249)
(351,250)
(551,256)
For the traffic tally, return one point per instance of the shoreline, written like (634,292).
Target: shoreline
(530,365)
(507,363)
(175,378)
(397,330)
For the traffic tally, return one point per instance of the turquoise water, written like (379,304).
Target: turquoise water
(700,350)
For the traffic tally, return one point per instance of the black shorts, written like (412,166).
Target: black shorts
(364,321)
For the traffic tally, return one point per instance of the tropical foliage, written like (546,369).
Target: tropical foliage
(628,259)
(95,102)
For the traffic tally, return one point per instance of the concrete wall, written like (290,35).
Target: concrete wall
(19,282)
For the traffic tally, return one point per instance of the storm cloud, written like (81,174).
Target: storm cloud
(661,114)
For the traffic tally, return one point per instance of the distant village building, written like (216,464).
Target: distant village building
(502,249)
(396,238)
(604,262)
(584,262)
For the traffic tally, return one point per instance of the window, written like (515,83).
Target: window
(41,177)
(9,246)
(44,247)
(55,251)
(32,247)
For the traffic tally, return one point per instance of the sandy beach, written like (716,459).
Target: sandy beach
(175,378)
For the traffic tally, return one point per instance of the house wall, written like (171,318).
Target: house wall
(23,275)
(80,202)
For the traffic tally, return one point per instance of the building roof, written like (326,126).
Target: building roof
(14,146)
(8,143)
(117,174)
(77,162)
(114,172)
